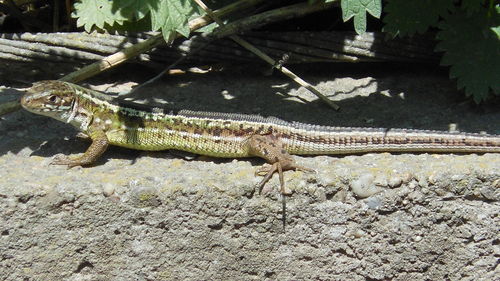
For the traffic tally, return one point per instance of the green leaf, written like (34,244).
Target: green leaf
(166,15)
(172,15)
(472,49)
(95,12)
(104,12)
(358,9)
(496,30)
(409,17)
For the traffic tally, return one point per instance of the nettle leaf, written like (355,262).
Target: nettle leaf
(102,12)
(95,12)
(166,15)
(472,49)
(409,17)
(172,16)
(358,9)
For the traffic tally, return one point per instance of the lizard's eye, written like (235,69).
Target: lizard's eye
(53,98)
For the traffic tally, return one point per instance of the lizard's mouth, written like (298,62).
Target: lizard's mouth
(29,103)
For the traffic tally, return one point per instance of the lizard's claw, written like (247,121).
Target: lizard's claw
(304,169)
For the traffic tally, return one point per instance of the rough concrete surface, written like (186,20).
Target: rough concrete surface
(159,216)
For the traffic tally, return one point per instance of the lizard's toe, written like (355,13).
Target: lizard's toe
(304,169)
(61,159)
(267,172)
(264,170)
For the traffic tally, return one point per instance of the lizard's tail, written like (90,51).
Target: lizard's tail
(306,139)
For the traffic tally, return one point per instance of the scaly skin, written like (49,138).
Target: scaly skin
(107,121)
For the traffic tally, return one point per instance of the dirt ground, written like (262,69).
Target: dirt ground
(164,216)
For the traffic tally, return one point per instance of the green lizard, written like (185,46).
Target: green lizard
(108,121)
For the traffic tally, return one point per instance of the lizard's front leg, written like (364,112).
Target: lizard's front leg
(99,144)
(271,149)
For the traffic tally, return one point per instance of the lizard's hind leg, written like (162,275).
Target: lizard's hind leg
(271,149)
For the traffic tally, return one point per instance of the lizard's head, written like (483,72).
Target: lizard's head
(55,99)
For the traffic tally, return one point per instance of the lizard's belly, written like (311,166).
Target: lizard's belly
(156,140)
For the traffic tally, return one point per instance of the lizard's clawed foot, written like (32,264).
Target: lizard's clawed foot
(96,149)
(268,171)
(61,159)
(272,150)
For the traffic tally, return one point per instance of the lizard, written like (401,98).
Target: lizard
(109,121)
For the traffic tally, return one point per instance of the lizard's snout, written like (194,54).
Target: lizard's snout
(25,100)
(28,102)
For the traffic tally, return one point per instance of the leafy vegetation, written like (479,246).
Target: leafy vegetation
(468,34)
(166,15)
(409,17)
(467,31)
